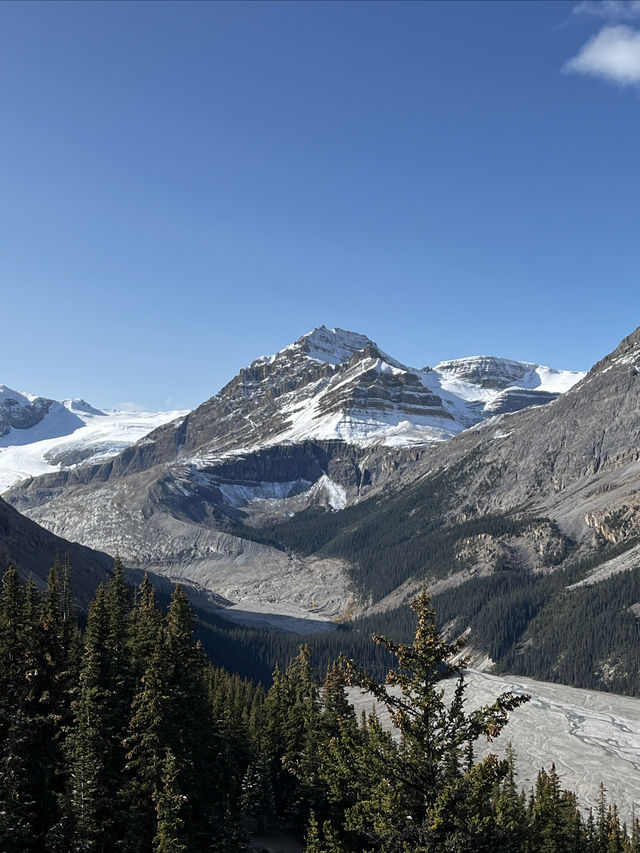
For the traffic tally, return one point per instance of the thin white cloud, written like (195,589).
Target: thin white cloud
(611,10)
(612,54)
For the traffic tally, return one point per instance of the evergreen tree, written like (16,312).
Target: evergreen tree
(615,838)
(144,626)
(602,819)
(172,711)
(511,813)
(590,841)
(171,835)
(12,648)
(257,797)
(118,598)
(301,734)
(338,732)
(17,802)
(634,841)
(463,816)
(364,784)
(146,744)
(556,826)
(93,741)
(51,674)
(19,819)
(336,710)
(194,742)
(434,736)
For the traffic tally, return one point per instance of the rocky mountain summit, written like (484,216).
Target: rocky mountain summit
(330,385)
(20,413)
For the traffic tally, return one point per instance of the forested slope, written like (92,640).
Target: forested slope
(126,737)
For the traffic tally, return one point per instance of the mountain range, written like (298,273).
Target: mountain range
(327,421)
(329,481)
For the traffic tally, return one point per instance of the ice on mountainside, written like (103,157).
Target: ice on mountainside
(54,434)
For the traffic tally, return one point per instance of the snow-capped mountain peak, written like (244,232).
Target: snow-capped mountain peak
(339,346)
(81,406)
(335,346)
(329,384)
(328,346)
(8,394)
(486,374)
(334,384)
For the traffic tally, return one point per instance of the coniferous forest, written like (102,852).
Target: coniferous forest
(124,735)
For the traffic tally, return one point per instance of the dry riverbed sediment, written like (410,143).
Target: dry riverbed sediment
(591,737)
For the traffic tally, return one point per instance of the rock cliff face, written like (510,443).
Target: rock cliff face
(19,412)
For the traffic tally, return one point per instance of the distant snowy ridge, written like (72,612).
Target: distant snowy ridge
(468,376)
(41,435)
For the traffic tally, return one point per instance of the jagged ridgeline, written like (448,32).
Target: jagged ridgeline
(125,736)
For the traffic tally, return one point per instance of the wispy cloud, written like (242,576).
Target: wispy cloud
(612,54)
(611,10)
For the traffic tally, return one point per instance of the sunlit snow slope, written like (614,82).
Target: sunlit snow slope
(38,435)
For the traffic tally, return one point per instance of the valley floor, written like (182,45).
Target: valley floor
(593,737)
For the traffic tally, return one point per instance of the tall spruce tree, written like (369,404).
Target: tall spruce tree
(92,746)
(430,759)
(510,809)
(172,710)
(299,730)
(144,625)
(18,807)
(12,648)
(171,834)
(146,745)
(51,674)
(194,742)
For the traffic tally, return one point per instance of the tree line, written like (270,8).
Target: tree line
(126,736)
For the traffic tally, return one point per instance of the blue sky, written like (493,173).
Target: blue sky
(186,186)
